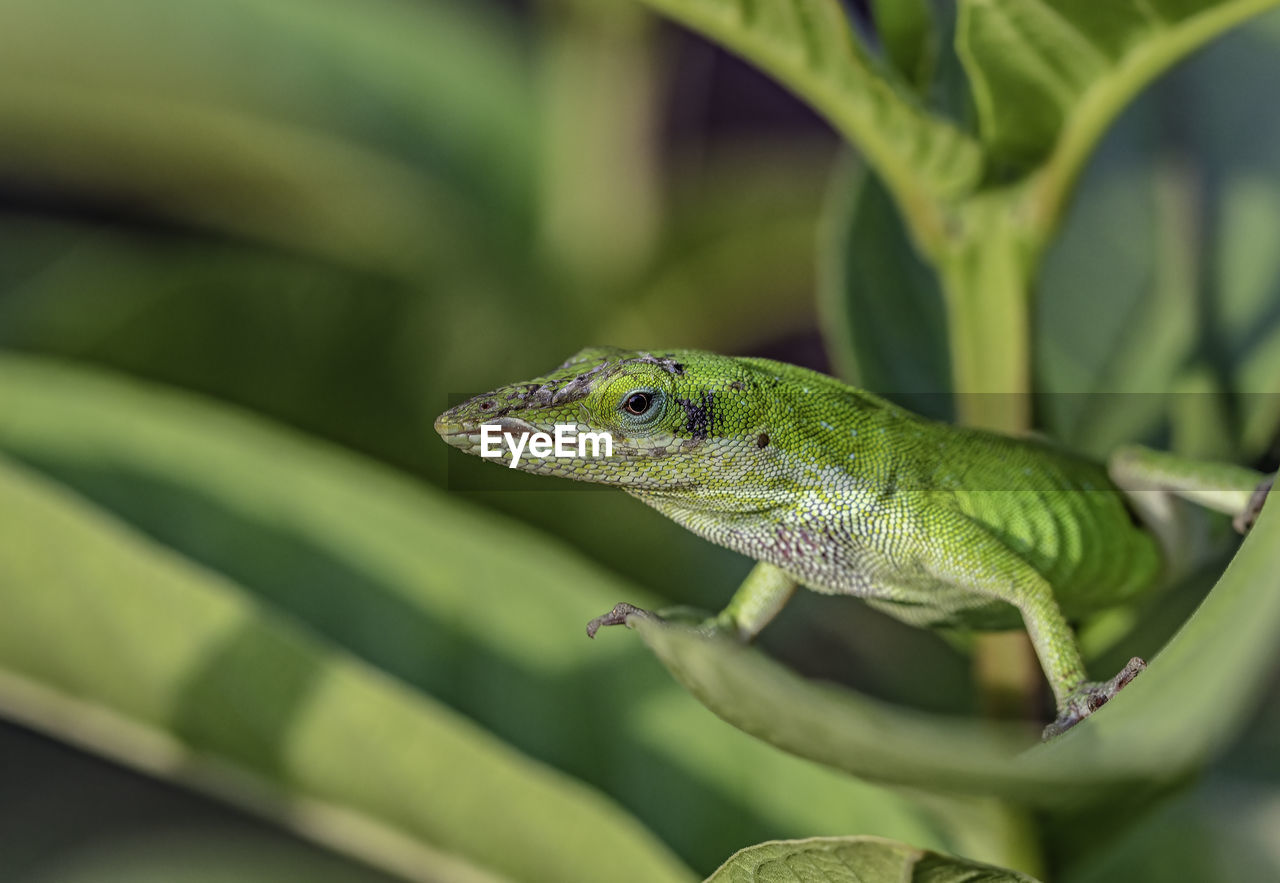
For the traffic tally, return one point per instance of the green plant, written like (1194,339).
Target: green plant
(358,200)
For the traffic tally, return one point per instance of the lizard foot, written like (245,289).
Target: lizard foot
(693,617)
(1089,698)
(617,616)
(1244,521)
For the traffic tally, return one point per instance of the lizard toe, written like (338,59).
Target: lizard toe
(617,616)
(1244,521)
(1090,697)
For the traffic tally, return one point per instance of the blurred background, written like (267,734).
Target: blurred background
(339,216)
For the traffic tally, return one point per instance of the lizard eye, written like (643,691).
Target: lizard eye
(637,403)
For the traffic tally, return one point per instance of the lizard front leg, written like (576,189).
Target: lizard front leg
(965,556)
(760,598)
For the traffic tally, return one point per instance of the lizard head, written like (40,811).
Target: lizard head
(670,416)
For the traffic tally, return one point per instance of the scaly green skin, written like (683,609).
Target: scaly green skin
(846,493)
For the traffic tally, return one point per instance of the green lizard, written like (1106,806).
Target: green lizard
(833,488)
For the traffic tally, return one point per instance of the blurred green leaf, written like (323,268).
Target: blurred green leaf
(150,658)
(1161,727)
(1158,310)
(383,300)
(369,134)
(286,187)
(356,358)
(485,616)
(735,258)
(906,31)
(853,860)
(1118,318)
(1224,829)
(197,856)
(1156,318)
(884,320)
(833,725)
(810,46)
(1047,79)
(1048,75)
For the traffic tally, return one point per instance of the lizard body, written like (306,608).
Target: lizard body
(834,488)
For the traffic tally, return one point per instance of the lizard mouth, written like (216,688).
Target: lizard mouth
(465,434)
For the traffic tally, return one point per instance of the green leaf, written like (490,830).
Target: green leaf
(906,31)
(735,258)
(1043,71)
(204,855)
(1049,76)
(364,133)
(1164,725)
(1117,319)
(853,860)
(166,666)
(484,616)
(810,46)
(837,726)
(1158,302)
(884,320)
(1047,79)
(1155,305)
(1223,829)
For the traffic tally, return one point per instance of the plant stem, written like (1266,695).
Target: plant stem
(986,282)
(986,277)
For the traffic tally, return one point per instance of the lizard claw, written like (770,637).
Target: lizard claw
(692,617)
(617,616)
(1244,521)
(1089,698)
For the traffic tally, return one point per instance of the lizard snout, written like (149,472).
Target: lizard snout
(461,428)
